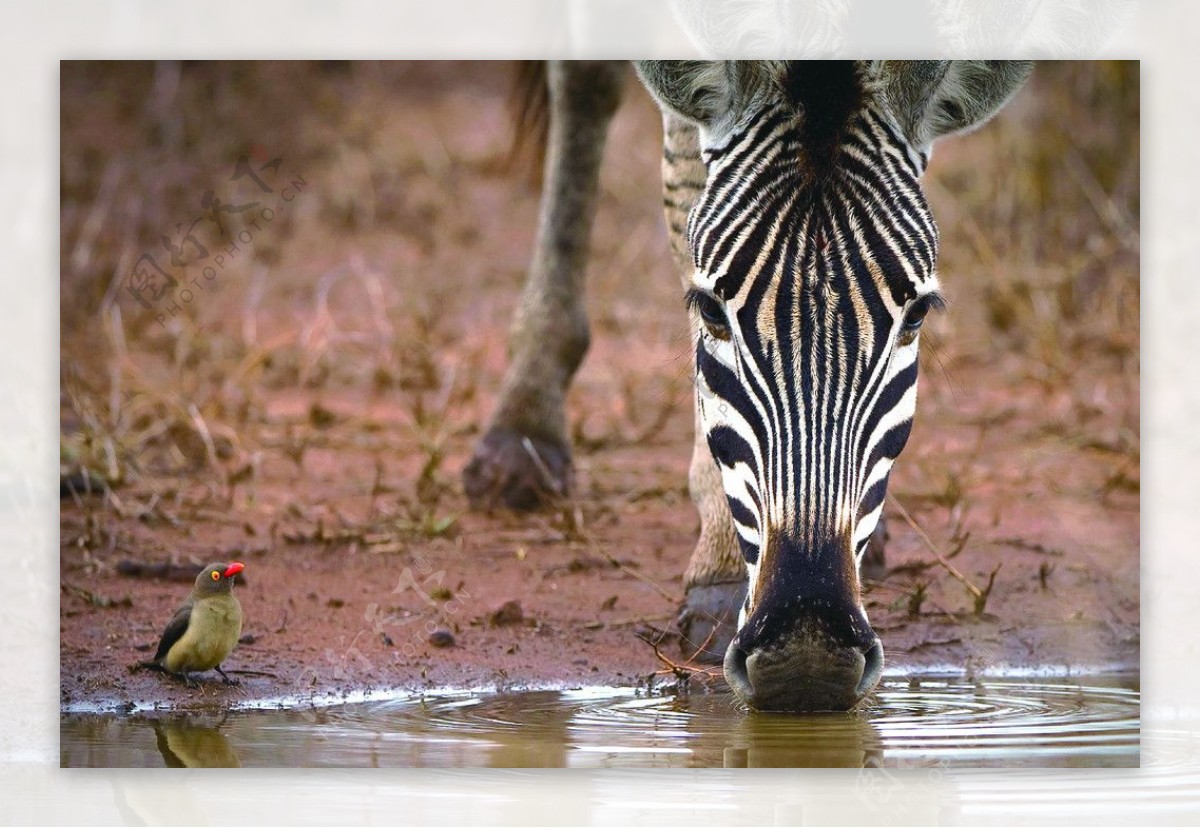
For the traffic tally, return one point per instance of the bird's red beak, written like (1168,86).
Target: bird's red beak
(234,568)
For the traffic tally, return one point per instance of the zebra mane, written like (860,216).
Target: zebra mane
(826,95)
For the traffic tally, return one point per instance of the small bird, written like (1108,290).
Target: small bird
(205,628)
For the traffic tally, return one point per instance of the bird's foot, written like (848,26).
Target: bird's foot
(226,678)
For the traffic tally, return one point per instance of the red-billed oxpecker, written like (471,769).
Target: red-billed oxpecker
(205,628)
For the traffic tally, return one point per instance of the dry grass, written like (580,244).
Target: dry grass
(1053,237)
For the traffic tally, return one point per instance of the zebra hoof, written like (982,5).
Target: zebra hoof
(513,471)
(708,620)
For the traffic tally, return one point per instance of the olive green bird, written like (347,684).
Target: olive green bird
(205,628)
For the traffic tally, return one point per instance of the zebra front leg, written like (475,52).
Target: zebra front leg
(523,459)
(715,580)
(715,576)
(874,564)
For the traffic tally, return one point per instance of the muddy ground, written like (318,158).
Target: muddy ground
(307,405)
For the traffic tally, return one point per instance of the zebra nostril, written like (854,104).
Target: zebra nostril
(736,674)
(872,669)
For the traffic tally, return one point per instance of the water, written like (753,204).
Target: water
(930,722)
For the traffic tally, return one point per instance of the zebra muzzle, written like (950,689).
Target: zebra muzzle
(803,673)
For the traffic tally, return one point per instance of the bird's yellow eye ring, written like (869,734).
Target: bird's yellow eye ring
(216,576)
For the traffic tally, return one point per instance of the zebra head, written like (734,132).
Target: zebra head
(814,253)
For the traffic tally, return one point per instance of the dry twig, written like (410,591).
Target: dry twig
(980,595)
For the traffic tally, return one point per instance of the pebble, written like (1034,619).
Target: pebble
(510,612)
(441,638)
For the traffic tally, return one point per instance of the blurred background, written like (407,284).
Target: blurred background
(406,249)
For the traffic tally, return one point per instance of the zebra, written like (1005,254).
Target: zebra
(807,253)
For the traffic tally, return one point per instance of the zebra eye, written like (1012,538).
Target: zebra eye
(915,316)
(712,314)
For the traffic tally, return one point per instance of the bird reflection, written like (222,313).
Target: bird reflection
(184,744)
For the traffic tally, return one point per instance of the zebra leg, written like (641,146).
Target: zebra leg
(523,459)
(716,577)
(874,566)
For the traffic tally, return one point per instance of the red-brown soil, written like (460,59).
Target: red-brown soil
(309,410)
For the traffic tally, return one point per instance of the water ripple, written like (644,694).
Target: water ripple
(913,722)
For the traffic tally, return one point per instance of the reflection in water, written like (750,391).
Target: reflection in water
(932,723)
(828,740)
(622,729)
(185,745)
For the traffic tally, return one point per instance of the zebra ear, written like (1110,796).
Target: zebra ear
(702,91)
(932,98)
